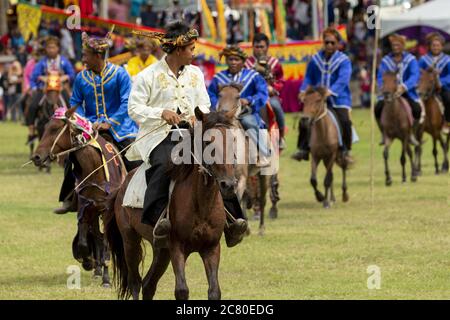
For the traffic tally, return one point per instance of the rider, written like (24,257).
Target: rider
(439,62)
(161,94)
(143,59)
(100,94)
(408,74)
(272,71)
(52,62)
(254,96)
(331,69)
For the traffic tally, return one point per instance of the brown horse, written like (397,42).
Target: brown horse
(89,246)
(427,89)
(51,100)
(396,124)
(197,216)
(324,145)
(252,185)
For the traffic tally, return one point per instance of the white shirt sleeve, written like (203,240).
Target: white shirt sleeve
(203,101)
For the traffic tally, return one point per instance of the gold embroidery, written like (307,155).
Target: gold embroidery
(194,80)
(163,82)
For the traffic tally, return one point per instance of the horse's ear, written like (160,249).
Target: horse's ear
(70,112)
(322,91)
(221,86)
(199,114)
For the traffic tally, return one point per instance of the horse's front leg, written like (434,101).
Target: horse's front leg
(386,162)
(106,281)
(178,258)
(345,196)
(418,154)
(313,179)
(445,150)
(435,154)
(403,160)
(328,181)
(274,196)
(413,167)
(262,185)
(211,259)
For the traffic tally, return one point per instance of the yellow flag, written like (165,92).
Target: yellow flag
(265,26)
(29,18)
(209,19)
(221,22)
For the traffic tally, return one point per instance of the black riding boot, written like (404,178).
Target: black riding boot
(236,228)
(303,140)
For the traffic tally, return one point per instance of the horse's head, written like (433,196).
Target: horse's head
(59,135)
(53,88)
(427,83)
(229,102)
(314,102)
(390,83)
(217,149)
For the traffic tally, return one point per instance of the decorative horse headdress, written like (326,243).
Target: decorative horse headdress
(79,122)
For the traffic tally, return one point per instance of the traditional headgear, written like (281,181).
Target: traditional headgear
(98,45)
(233,50)
(435,36)
(169,44)
(397,37)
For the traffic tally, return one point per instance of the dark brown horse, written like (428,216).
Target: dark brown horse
(252,184)
(51,100)
(324,144)
(396,124)
(89,246)
(427,88)
(197,216)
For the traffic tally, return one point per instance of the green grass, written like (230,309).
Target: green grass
(307,253)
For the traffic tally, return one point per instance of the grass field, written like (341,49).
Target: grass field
(307,253)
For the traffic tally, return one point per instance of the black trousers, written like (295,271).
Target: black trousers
(158,182)
(69,178)
(445,94)
(34,104)
(343,116)
(415,108)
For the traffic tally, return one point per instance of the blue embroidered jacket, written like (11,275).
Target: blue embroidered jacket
(254,90)
(407,70)
(441,63)
(104,98)
(333,74)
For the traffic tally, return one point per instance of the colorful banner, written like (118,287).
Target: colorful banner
(208,18)
(280,21)
(221,21)
(29,19)
(251,4)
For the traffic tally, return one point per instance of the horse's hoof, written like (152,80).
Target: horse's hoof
(320,197)
(106,285)
(326,205)
(256,216)
(388,182)
(414,179)
(273,214)
(261,232)
(345,197)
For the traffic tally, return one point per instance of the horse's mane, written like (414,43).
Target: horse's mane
(179,172)
(320,90)
(234,85)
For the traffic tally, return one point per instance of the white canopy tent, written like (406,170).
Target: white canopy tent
(435,14)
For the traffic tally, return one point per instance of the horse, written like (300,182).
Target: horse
(62,136)
(324,145)
(252,185)
(51,100)
(396,123)
(197,215)
(427,89)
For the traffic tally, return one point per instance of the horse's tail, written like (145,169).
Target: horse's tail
(115,242)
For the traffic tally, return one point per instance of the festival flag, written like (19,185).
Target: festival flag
(265,25)
(221,22)
(29,18)
(280,21)
(211,26)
